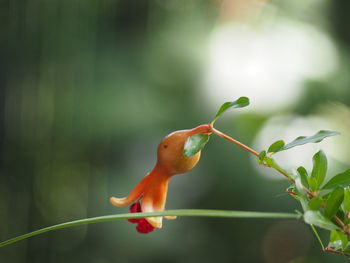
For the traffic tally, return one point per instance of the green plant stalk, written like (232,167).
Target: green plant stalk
(180,212)
(317,236)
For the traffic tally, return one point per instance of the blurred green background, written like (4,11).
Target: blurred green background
(89,88)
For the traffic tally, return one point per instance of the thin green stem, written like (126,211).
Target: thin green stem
(180,212)
(317,236)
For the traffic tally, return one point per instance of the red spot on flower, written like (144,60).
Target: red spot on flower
(143,226)
(135,208)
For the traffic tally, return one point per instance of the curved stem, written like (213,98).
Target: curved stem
(180,212)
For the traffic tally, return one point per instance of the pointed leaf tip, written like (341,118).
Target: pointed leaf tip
(276,146)
(301,140)
(319,169)
(342,180)
(239,103)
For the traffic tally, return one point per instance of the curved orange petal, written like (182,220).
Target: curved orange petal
(154,197)
(134,194)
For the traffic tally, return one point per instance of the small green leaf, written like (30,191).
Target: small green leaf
(338,240)
(319,168)
(333,202)
(317,219)
(319,136)
(303,176)
(240,103)
(342,180)
(276,146)
(346,202)
(315,203)
(194,144)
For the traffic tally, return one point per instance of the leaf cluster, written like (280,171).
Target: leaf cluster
(325,204)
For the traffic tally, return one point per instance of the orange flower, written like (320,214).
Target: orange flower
(153,188)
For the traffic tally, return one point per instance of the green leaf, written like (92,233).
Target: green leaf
(299,186)
(344,239)
(194,144)
(315,203)
(319,168)
(240,103)
(333,202)
(312,183)
(301,193)
(346,201)
(342,180)
(303,176)
(319,136)
(276,146)
(317,219)
(262,156)
(338,240)
(179,212)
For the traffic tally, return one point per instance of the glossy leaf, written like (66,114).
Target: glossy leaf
(240,103)
(317,219)
(194,144)
(333,202)
(319,136)
(303,176)
(312,183)
(338,240)
(346,201)
(315,203)
(341,180)
(276,146)
(319,169)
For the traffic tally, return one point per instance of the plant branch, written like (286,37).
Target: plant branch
(180,212)
(243,146)
(272,164)
(334,251)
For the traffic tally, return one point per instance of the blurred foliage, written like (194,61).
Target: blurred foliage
(88,89)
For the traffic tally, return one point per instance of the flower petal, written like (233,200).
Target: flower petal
(134,194)
(170,217)
(155,196)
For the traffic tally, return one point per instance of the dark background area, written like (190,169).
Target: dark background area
(89,88)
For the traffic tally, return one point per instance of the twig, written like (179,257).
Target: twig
(245,147)
(334,251)
(337,220)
